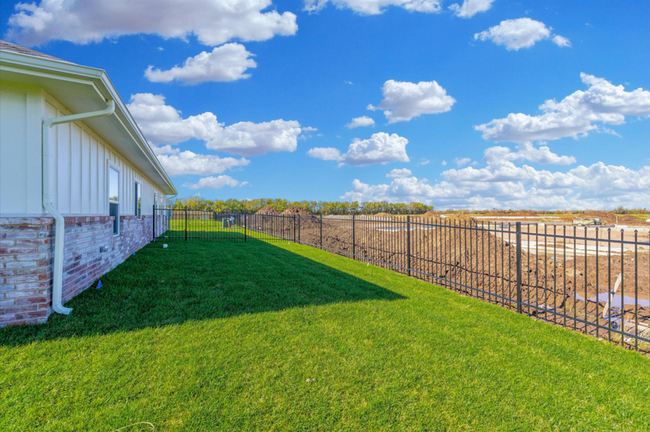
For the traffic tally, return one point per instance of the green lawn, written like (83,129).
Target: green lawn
(206,336)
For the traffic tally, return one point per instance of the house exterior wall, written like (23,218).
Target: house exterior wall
(79,183)
(78,164)
(27,255)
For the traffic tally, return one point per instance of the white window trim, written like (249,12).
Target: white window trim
(119,193)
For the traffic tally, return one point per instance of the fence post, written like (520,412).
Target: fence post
(518,267)
(294,228)
(354,242)
(186,223)
(321,231)
(408,244)
(154,222)
(245,224)
(299,228)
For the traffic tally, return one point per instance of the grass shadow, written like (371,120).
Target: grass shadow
(197,280)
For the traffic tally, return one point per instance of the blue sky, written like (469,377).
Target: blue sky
(321,64)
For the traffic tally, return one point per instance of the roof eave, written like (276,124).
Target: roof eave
(134,129)
(98,77)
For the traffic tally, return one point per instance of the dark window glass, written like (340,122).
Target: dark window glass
(138,199)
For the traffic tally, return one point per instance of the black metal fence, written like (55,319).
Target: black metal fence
(591,279)
(185,224)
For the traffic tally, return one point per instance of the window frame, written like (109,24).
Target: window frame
(116,224)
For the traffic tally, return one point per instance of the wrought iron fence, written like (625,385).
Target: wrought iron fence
(185,224)
(592,279)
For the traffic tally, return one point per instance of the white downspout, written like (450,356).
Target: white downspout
(57,282)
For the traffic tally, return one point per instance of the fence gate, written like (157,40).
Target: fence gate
(185,224)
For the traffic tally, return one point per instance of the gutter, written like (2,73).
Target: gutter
(57,283)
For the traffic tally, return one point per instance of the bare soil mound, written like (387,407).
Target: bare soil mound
(431,214)
(384,215)
(298,211)
(267,211)
(632,220)
(607,217)
(611,218)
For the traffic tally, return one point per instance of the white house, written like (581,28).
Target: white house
(78,182)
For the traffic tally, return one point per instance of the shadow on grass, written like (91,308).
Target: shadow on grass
(197,280)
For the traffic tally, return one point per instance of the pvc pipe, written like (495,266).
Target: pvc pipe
(59,234)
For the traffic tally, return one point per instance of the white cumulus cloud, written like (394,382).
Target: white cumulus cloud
(164,149)
(519,33)
(469,8)
(254,139)
(163,124)
(399,173)
(212,22)
(503,184)
(380,148)
(528,152)
(561,41)
(360,122)
(406,100)
(574,116)
(188,162)
(375,7)
(462,161)
(225,63)
(216,182)
(325,153)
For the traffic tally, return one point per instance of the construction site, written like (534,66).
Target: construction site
(591,273)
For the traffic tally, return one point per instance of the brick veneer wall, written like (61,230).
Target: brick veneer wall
(27,257)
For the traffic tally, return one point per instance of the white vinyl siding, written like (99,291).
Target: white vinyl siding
(78,177)
(20,149)
(75,146)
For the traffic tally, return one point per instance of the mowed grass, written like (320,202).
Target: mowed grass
(207,336)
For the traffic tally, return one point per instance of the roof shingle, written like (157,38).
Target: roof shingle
(12,47)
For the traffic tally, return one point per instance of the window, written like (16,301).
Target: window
(138,199)
(114,198)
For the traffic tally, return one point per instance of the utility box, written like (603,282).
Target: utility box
(225,223)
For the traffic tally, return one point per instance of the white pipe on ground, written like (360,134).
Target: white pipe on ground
(611,293)
(59,234)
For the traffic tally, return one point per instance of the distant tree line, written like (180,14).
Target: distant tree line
(354,207)
(317,207)
(623,210)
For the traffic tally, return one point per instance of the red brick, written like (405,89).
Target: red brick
(30,285)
